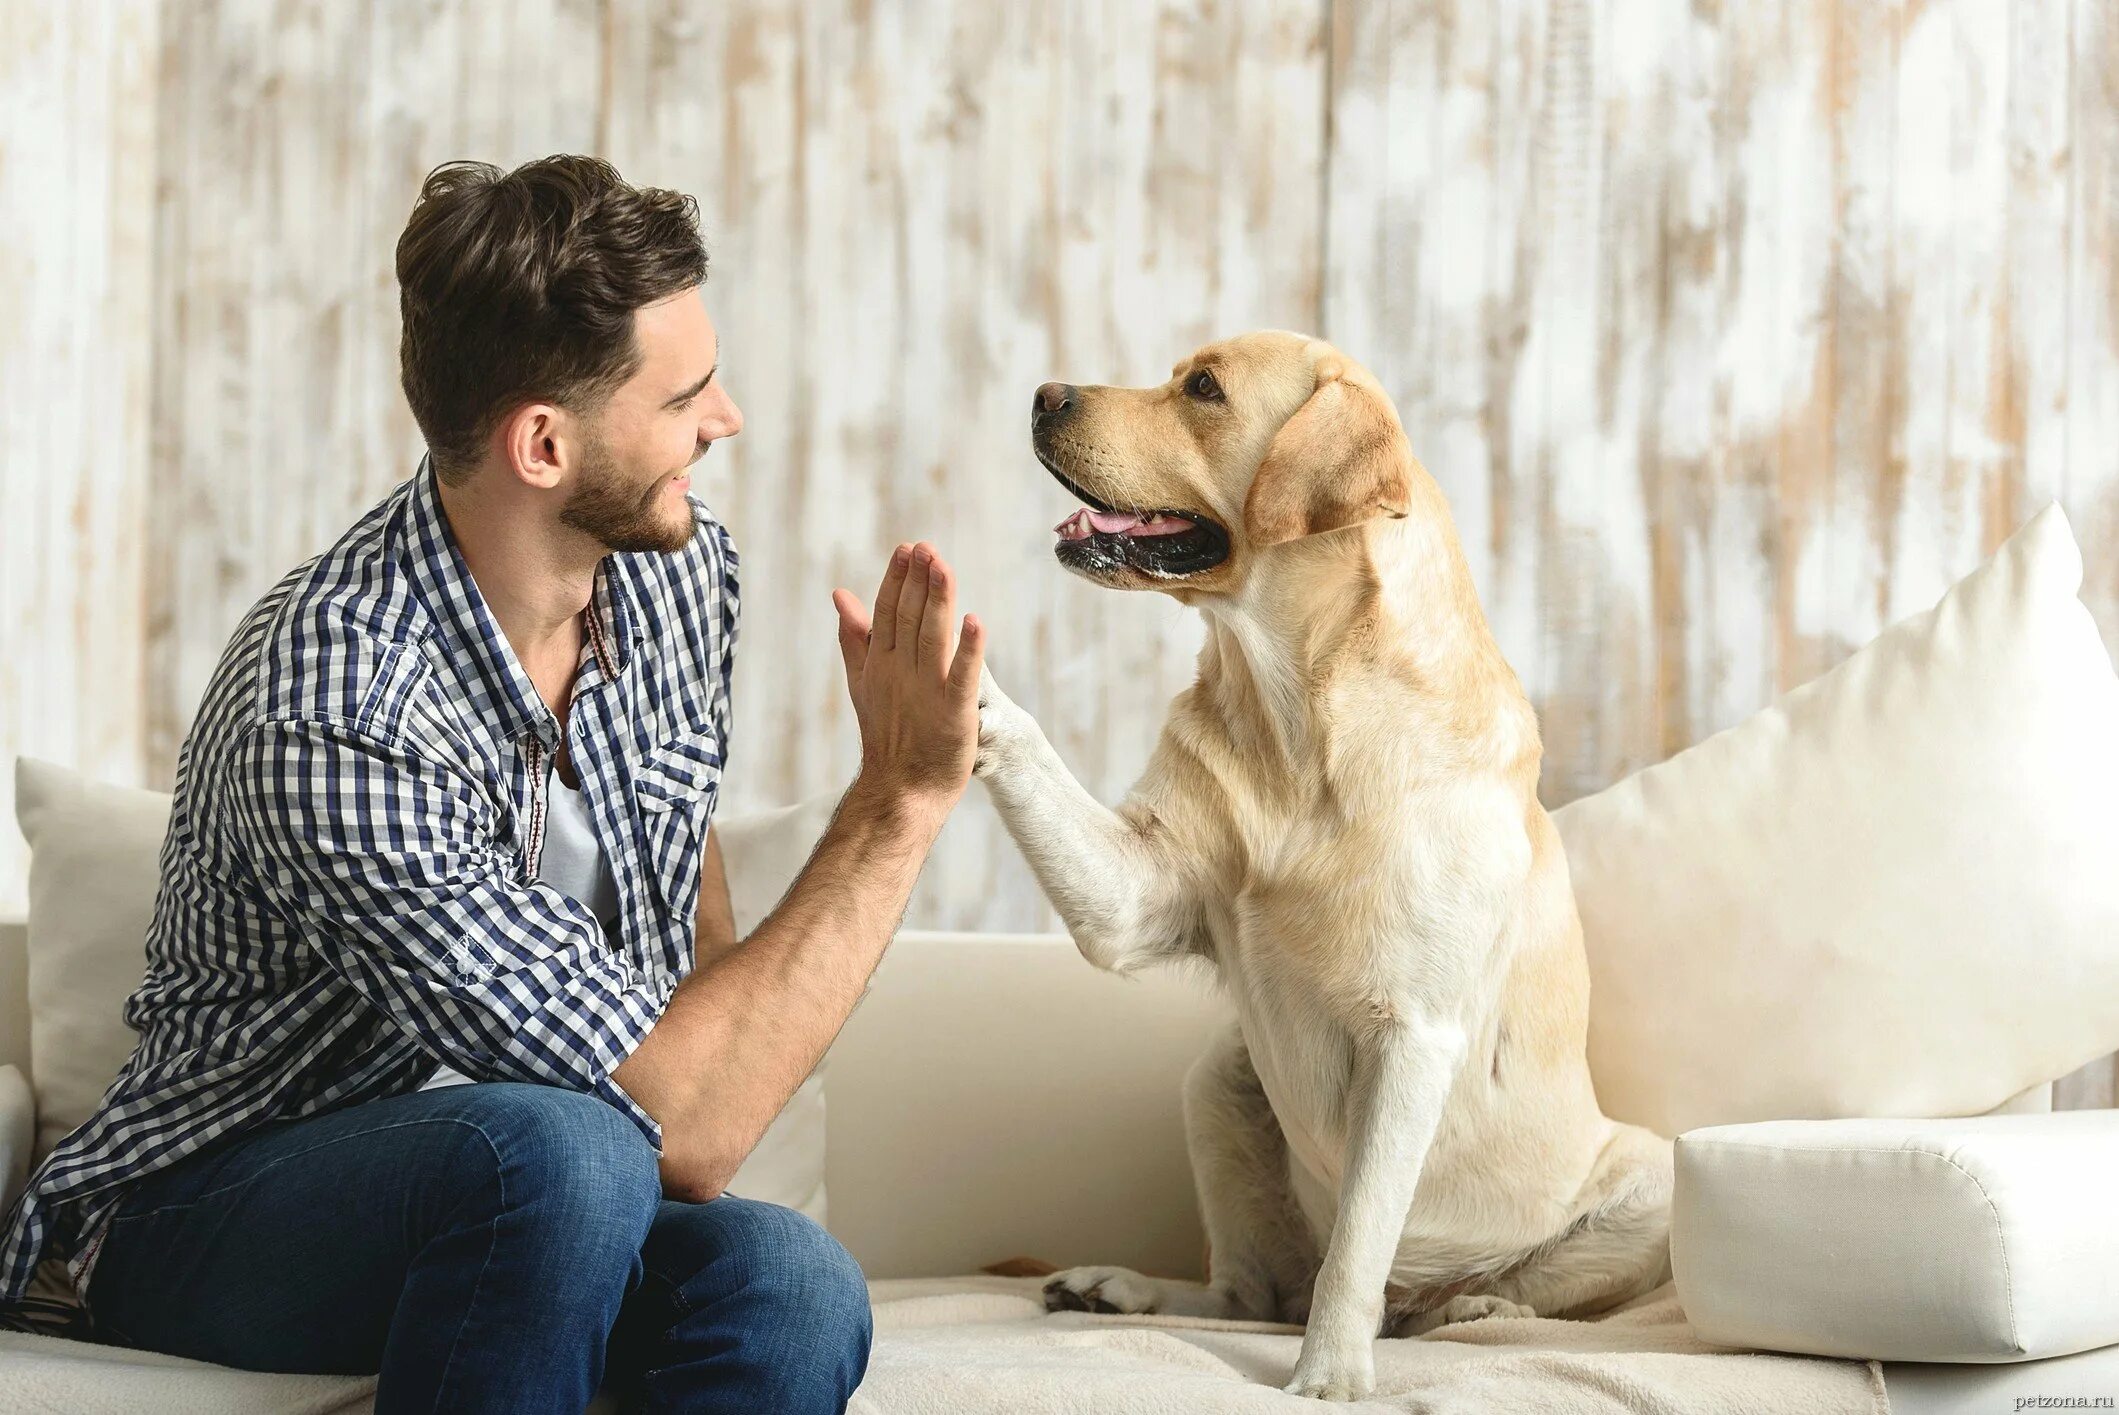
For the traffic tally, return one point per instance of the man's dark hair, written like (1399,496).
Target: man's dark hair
(521,286)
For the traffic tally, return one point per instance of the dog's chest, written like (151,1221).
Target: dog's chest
(1327,927)
(1302,1054)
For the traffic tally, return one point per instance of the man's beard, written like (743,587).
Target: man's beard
(620,514)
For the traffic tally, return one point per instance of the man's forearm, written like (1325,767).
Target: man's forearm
(741,1033)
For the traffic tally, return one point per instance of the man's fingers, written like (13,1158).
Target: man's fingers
(938,620)
(886,620)
(970,659)
(912,600)
(853,633)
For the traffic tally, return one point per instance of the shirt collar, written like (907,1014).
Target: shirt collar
(503,691)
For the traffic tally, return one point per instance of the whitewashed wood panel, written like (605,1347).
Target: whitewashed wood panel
(1732,332)
(77,134)
(2092,275)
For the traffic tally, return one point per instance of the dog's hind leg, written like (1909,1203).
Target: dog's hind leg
(1261,1257)
(1617,1248)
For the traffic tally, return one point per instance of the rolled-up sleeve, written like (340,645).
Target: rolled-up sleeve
(385,858)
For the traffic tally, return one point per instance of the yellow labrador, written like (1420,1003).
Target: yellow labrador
(1342,818)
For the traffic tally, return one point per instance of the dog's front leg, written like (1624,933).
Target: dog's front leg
(1403,1071)
(1111,878)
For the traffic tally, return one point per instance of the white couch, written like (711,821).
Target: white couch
(1891,894)
(992,1096)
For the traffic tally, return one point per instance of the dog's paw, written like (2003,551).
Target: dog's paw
(1326,1388)
(1001,725)
(1115,1291)
(1473,1308)
(1325,1376)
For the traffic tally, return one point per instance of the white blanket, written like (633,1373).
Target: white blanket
(974,1345)
(967,1346)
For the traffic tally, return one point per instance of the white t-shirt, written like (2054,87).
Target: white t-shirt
(572,863)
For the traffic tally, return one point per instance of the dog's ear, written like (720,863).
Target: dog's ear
(1340,460)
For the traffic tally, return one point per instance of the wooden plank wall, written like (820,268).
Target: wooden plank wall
(1733,332)
(77,212)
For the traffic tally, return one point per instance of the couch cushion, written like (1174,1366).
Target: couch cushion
(92,875)
(94,852)
(1891,893)
(1989,1239)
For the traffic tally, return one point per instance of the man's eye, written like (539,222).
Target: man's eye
(1202,385)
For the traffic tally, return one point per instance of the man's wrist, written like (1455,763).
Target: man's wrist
(896,807)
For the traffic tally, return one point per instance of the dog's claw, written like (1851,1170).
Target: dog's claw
(1061,1298)
(1110,1292)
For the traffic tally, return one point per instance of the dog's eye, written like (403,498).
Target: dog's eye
(1202,386)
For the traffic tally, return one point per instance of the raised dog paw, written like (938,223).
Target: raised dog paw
(1471,1309)
(1001,724)
(1116,1291)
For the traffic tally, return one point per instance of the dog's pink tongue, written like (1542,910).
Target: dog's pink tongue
(1119,523)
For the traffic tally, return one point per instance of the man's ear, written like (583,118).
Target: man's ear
(1340,460)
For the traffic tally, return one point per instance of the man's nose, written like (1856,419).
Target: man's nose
(1052,399)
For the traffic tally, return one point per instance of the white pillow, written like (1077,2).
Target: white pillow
(1893,893)
(94,866)
(1988,1239)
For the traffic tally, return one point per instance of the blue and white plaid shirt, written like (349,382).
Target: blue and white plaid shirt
(349,893)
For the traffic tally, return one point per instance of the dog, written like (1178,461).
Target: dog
(1341,820)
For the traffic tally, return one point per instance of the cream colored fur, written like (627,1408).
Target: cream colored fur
(1341,818)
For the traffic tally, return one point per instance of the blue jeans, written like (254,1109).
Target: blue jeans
(489,1247)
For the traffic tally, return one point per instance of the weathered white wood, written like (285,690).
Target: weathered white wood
(1841,584)
(1732,332)
(77,133)
(2093,304)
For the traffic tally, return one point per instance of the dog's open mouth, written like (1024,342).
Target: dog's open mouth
(1101,540)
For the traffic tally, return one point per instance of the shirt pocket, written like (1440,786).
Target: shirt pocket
(674,788)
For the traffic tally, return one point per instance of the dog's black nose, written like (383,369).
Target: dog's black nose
(1052,399)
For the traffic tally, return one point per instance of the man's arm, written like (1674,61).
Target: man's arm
(741,1033)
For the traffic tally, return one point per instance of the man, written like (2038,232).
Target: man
(444,818)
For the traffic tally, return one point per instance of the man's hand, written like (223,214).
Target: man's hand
(914,683)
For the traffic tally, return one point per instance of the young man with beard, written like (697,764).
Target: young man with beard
(447,1048)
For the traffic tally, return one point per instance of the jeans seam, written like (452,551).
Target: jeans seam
(677,1298)
(270,1165)
(500,1177)
(650,1370)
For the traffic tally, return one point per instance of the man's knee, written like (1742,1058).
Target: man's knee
(780,1268)
(580,1165)
(794,1262)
